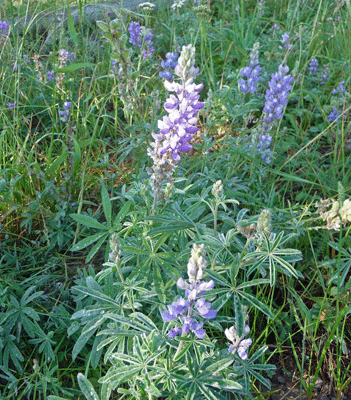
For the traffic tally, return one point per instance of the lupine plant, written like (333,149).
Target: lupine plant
(173,253)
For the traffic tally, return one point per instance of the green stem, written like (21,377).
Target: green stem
(215,212)
(181,345)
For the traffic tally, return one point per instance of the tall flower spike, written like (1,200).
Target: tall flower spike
(4,28)
(313,66)
(251,72)
(169,64)
(179,125)
(276,99)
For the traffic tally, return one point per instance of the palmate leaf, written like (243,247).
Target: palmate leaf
(256,303)
(274,257)
(116,376)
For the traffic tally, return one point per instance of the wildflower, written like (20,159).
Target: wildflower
(313,66)
(263,146)
(38,67)
(239,344)
(340,89)
(135,33)
(285,40)
(4,28)
(251,72)
(147,34)
(177,4)
(63,55)
(72,57)
(277,94)
(11,105)
(189,308)
(345,211)
(217,190)
(169,64)
(202,10)
(115,247)
(334,115)
(147,6)
(325,76)
(178,127)
(50,75)
(65,112)
(276,99)
(63,58)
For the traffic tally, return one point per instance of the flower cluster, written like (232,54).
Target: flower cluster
(50,75)
(178,126)
(313,66)
(140,36)
(147,6)
(239,344)
(4,28)
(336,215)
(38,68)
(218,190)
(188,310)
(169,64)
(277,94)
(65,112)
(334,116)
(251,72)
(285,41)
(135,34)
(63,58)
(340,89)
(263,147)
(325,76)
(276,99)
(177,4)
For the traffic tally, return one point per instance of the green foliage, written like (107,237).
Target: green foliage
(79,319)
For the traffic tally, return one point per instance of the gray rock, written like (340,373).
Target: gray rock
(89,14)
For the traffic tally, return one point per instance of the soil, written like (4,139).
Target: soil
(286,384)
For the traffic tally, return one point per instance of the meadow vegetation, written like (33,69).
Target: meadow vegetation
(175,200)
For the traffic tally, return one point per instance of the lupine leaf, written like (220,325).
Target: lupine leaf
(87,388)
(88,221)
(106,204)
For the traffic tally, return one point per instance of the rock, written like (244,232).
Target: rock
(89,14)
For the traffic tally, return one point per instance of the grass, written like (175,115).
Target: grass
(67,186)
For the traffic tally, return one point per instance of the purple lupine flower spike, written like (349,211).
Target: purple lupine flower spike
(276,99)
(189,310)
(65,112)
(4,28)
(169,64)
(251,72)
(313,66)
(135,33)
(239,344)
